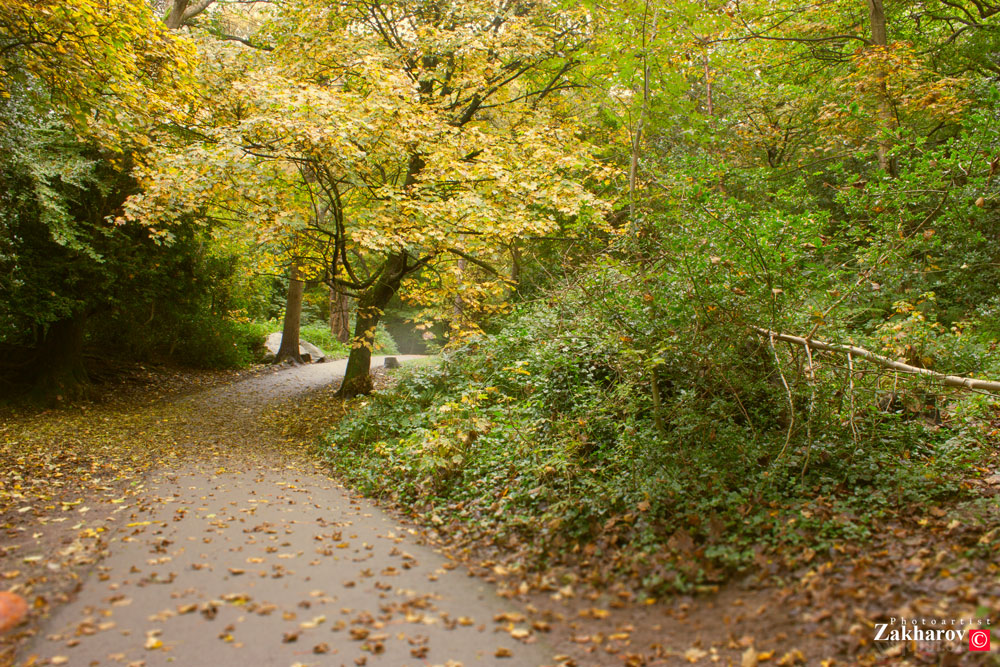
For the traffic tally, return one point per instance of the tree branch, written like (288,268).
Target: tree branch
(195,9)
(884,362)
(475,260)
(242,40)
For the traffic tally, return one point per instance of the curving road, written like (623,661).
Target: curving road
(245,554)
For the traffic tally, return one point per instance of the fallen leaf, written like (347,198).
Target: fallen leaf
(793,657)
(316,622)
(511,617)
(694,654)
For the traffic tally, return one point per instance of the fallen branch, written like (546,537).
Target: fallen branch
(885,362)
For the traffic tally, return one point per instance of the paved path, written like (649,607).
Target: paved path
(248,557)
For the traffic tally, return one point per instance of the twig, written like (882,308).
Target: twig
(791,404)
(812,404)
(850,376)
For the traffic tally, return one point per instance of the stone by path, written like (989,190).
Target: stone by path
(245,554)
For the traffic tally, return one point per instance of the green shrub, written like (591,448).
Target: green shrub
(547,431)
(212,342)
(319,335)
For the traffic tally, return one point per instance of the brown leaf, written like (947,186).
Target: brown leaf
(791,658)
(694,654)
(509,617)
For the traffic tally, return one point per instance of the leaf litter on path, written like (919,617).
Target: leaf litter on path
(213,504)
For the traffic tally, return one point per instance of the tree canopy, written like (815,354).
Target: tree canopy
(453,153)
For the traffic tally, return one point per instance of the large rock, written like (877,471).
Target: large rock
(307,350)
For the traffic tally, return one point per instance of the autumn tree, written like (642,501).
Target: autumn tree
(77,93)
(875,71)
(395,139)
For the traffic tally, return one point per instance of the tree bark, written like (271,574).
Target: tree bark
(293,319)
(636,148)
(175,16)
(880,41)
(876,12)
(340,325)
(515,271)
(182,11)
(60,373)
(458,304)
(708,85)
(370,308)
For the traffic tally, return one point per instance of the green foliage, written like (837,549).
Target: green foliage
(318,333)
(62,258)
(213,342)
(320,336)
(639,414)
(546,431)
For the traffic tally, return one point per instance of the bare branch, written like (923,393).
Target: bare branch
(885,362)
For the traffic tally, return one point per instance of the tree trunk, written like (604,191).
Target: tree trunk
(880,41)
(636,148)
(458,304)
(293,319)
(182,11)
(59,371)
(340,325)
(175,16)
(515,271)
(371,307)
(710,105)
